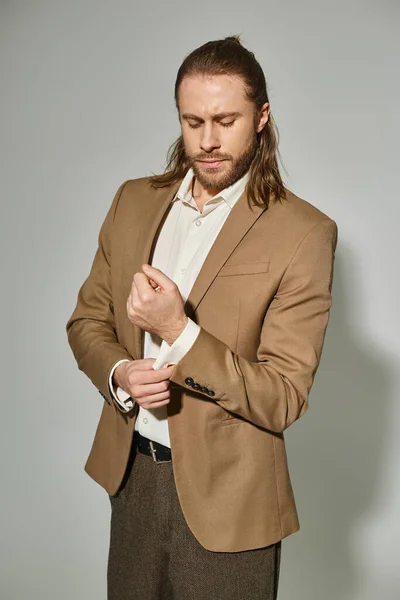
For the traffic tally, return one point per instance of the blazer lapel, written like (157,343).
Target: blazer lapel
(240,219)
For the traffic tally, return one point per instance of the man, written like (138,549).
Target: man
(201,324)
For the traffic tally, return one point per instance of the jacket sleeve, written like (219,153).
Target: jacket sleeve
(91,327)
(272,392)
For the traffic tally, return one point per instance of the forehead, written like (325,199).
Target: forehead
(204,94)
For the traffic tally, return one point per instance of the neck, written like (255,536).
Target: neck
(202,194)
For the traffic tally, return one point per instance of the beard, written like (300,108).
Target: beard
(228,172)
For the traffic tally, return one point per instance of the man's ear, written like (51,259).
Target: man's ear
(263,116)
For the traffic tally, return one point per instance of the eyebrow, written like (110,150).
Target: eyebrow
(215,117)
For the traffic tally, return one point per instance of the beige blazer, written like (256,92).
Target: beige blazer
(262,300)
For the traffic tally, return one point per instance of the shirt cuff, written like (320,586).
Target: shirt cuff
(121,396)
(173,354)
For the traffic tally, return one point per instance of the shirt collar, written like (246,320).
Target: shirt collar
(230,194)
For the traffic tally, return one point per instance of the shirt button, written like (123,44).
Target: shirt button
(145,420)
(198,223)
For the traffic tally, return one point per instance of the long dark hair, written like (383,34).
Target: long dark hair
(230,57)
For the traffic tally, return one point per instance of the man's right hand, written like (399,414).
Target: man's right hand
(147,386)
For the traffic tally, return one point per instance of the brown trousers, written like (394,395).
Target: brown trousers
(153,554)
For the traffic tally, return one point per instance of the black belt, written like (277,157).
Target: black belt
(157,451)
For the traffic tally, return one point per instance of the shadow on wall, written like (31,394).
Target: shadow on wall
(335,452)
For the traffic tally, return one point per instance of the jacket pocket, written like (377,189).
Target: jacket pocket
(244,268)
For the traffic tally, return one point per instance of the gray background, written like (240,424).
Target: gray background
(87,102)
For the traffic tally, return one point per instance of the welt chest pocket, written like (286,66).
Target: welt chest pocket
(244,268)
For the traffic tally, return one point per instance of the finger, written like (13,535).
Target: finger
(146,364)
(133,296)
(151,361)
(157,404)
(150,399)
(133,287)
(153,283)
(158,276)
(142,284)
(129,301)
(160,374)
(140,390)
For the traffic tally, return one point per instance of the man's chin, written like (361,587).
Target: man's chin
(213,178)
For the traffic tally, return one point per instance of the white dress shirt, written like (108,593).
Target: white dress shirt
(183,243)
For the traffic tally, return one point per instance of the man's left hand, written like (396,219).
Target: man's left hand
(156,305)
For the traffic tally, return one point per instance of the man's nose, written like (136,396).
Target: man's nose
(209,140)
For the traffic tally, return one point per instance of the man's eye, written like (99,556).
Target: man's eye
(196,125)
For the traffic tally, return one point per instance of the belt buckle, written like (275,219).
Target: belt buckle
(154,454)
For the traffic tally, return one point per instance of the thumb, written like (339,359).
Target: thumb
(156,275)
